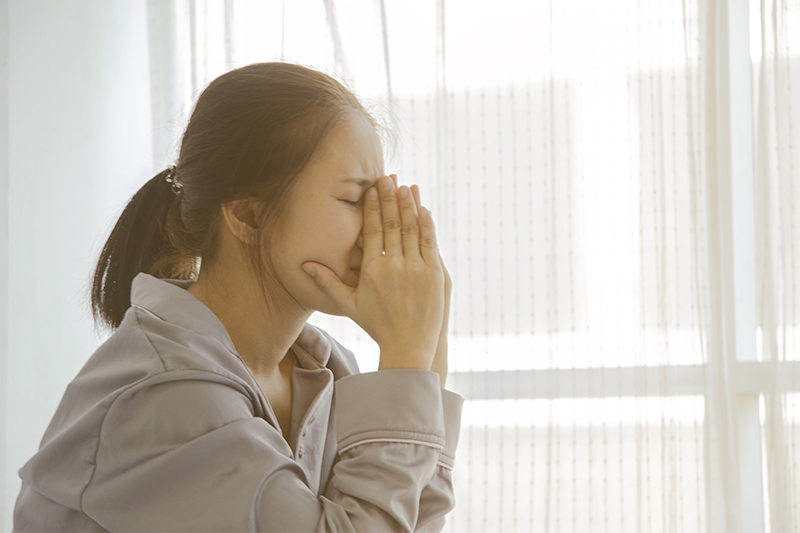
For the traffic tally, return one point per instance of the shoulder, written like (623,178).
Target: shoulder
(144,378)
(146,357)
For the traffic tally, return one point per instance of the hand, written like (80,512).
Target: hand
(399,300)
(440,359)
(439,364)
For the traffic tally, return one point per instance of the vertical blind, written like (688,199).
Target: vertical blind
(582,161)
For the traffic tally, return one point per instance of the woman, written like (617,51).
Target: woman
(214,405)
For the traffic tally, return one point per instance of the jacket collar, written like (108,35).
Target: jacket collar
(169,300)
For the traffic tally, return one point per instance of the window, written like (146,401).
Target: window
(617,212)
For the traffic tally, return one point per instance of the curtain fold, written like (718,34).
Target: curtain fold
(723,480)
(777,194)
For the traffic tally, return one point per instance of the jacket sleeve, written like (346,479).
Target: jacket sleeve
(401,440)
(438,496)
(188,454)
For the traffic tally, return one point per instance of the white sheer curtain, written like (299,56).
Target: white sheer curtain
(618,212)
(777,193)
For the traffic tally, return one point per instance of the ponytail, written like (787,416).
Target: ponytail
(144,239)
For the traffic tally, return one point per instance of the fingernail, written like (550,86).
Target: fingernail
(423,211)
(386,183)
(403,192)
(309,270)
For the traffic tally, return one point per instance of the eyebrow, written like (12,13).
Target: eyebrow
(362,182)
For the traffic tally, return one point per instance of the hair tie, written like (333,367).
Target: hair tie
(172,179)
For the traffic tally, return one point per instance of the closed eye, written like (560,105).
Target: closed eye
(354,204)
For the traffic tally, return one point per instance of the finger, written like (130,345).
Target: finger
(373,225)
(415,190)
(396,187)
(329,283)
(416,203)
(428,244)
(448,281)
(410,223)
(390,213)
(448,288)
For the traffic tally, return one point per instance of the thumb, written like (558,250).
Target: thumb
(327,280)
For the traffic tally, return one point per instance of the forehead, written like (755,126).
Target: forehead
(351,150)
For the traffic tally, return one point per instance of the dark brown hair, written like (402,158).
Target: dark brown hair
(252,132)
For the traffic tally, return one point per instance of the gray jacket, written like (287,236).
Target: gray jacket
(165,429)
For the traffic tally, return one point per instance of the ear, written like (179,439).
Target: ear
(240,218)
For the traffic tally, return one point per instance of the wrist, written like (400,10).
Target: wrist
(398,359)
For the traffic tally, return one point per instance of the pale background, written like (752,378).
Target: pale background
(615,186)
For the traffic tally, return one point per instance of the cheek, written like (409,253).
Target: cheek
(341,224)
(331,233)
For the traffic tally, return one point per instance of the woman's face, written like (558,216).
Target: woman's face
(326,213)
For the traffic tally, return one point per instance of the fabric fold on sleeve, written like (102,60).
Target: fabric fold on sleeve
(398,405)
(452,405)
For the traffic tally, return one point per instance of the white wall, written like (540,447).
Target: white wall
(75,110)
(3,254)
